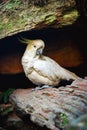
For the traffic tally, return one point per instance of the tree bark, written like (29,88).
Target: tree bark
(54,108)
(19,16)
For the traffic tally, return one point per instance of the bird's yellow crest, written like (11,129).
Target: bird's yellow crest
(24,40)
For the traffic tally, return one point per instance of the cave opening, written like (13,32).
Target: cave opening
(66,45)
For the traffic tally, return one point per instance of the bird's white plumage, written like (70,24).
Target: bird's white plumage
(41,69)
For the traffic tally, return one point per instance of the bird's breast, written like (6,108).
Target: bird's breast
(39,79)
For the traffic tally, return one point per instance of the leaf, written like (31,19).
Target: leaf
(4,97)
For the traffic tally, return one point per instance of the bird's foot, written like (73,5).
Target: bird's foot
(46,86)
(42,87)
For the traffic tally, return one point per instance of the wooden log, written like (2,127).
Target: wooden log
(54,108)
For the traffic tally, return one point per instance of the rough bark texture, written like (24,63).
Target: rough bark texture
(17,17)
(53,107)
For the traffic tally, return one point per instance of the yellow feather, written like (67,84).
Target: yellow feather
(24,40)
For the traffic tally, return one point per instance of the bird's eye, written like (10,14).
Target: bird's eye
(34,46)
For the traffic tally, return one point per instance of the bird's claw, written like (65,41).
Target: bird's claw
(37,88)
(42,87)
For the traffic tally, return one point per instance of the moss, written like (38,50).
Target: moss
(20,16)
(50,18)
(9,25)
(12,5)
(1,26)
(70,14)
(62,120)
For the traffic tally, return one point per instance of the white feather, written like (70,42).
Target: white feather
(41,69)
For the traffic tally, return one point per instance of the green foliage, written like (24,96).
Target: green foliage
(12,5)
(50,18)
(4,97)
(62,120)
(1,26)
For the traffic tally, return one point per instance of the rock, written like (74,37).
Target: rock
(54,108)
(54,14)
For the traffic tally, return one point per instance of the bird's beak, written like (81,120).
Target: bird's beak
(39,51)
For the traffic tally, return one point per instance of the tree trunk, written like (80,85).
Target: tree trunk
(54,108)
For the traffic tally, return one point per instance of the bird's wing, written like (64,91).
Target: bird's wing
(48,68)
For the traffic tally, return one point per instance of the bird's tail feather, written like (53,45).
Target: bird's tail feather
(70,75)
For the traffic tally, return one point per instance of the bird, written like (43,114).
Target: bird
(41,69)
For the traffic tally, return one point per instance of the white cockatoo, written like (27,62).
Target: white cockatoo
(40,69)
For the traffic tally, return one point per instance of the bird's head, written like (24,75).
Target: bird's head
(36,46)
